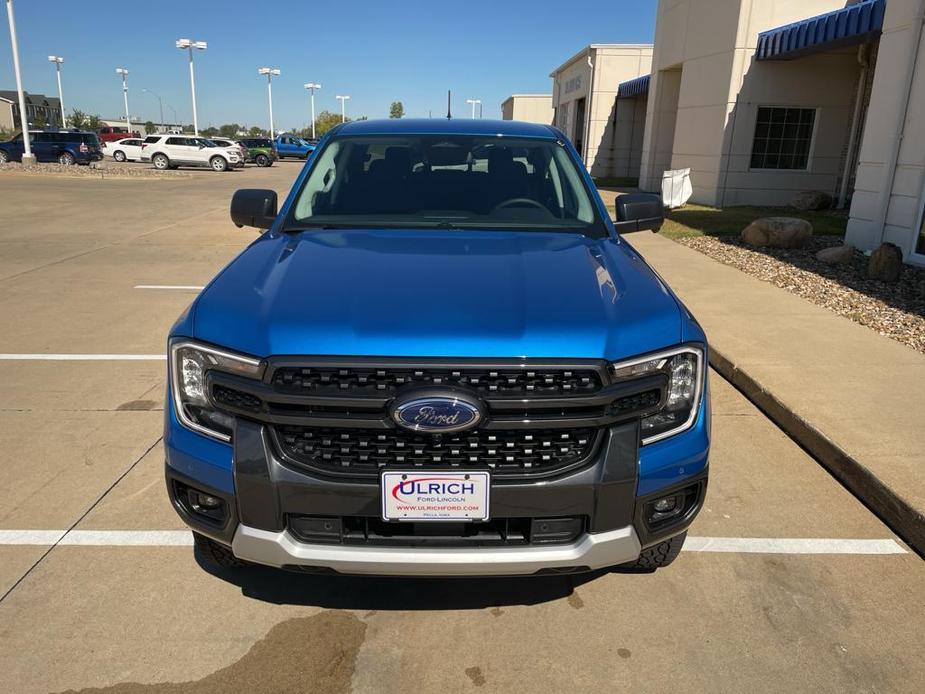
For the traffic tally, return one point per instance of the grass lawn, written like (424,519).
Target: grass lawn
(699,220)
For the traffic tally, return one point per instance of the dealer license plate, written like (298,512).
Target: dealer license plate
(435,496)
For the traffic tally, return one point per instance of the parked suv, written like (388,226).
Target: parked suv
(441,358)
(232,145)
(167,151)
(260,150)
(54,145)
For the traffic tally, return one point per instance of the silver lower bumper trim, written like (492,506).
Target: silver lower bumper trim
(595,551)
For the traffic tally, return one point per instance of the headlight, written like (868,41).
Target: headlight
(685,370)
(189,363)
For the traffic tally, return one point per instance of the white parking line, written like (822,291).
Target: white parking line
(183,538)
(82,357)
(169,286)
(803,545)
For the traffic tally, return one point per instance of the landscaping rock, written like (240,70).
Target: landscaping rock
(886,263)
(812,200)
(777,232)
(836,255)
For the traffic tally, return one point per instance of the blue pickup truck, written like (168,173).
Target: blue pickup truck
(292,146)
(441,357)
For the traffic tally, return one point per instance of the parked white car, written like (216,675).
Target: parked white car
(225,143)
(126,149)
(168,151)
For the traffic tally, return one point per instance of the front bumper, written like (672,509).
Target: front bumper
(591,551)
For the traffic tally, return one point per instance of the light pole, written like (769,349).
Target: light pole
(27,157)
(269,72)
(188,44)
(343,108)
(58,60)
(128,119)
(311,86)
(160,102)
(474,102)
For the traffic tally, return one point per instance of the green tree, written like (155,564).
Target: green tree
(325,121)
(256,131)
(78,119)
(211,131)
(229,130)
(39,121)
(149,128)
(396,110)
(94,123)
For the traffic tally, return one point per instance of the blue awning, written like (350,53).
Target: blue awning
(635,87)
(850,25)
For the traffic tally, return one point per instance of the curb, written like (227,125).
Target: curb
(905,520)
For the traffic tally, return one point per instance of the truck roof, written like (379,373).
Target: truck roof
(445,126)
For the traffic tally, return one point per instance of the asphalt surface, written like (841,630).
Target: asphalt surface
(80,449)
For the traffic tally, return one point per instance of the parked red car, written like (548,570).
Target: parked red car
(116,132)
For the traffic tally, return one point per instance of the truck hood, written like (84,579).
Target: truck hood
(438,294)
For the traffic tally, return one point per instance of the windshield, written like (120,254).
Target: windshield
(441,181)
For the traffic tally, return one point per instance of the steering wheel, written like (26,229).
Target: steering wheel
(519,201)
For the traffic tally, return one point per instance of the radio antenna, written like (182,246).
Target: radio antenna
(449,103)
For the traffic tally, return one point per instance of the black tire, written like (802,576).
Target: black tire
(66,159)
(262,160)
(160,161)
(119,156)
(4,157)
(218,163)
(215,554)
(659,555)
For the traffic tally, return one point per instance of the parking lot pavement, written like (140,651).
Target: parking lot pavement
(113,603)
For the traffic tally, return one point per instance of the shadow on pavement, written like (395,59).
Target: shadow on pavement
(332,591)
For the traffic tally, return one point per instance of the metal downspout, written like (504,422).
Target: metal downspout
(587,142)
(864,61)
(887,193)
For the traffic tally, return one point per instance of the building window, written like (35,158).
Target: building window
(783,138)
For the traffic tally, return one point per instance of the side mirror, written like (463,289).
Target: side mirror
(253,207)
(639,212)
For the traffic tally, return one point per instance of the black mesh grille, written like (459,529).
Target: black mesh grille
(365,451)
(232,397)
(384,381)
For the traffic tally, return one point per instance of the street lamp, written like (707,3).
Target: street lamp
(128,119)
(160,102)
(343,108)
(269,72)
(474,102)
(311,86)
(27,157)
(188,44)
(58,60)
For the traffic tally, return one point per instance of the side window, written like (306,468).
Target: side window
(783,138)
(41,137)
(151,139)
(321,181)
(176,140)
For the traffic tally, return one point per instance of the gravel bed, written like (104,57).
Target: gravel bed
(106,170)
(896,310)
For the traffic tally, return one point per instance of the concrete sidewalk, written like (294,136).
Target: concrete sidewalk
(854,399)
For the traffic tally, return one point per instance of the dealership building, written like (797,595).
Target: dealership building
(585,105)
(762,100)
(532,108)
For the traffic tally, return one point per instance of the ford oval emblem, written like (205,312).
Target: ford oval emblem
(438,414)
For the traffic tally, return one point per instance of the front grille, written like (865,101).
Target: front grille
(362,452)
(513,382)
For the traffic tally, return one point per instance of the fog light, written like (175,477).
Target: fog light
(666,504)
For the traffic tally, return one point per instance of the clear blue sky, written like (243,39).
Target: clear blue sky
(375,51)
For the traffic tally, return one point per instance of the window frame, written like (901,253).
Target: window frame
(915,256)
(810,153)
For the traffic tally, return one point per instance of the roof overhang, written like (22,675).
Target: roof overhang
(845,27)
(635,87)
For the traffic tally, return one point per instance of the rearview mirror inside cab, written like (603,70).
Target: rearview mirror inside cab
(254,207)
(639,212)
